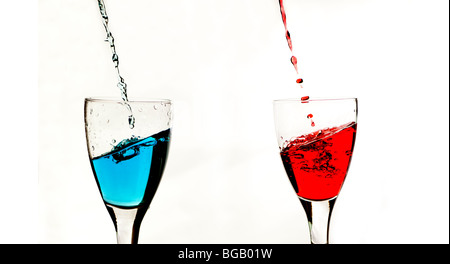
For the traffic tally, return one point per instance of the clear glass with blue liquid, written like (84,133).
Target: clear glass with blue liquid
(128,162)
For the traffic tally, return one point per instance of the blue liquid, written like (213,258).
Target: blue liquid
(129,175)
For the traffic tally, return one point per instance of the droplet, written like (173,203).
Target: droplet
(131,121)
(294,62)
(304,98)
(309,116)
(299,80)
(115,58)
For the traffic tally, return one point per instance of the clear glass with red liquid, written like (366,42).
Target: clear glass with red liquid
(316,154)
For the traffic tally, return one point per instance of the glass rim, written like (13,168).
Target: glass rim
(115,100)
(313,99)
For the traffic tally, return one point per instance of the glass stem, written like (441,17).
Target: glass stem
(127,223)
(318,214)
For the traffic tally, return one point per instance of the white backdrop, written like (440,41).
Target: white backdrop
(222,63)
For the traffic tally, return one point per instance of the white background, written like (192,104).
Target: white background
(222,63)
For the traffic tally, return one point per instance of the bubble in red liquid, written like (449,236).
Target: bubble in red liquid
(304,98)
(309,116)
(299,80)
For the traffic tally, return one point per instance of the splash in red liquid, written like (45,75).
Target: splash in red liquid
(317,163)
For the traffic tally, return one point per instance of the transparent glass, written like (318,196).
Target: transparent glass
(316,140)
(127,163)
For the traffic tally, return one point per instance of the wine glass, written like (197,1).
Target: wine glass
(127,161)
(316,140)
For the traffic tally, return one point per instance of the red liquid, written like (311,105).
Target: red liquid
(317,163)
(289,40)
